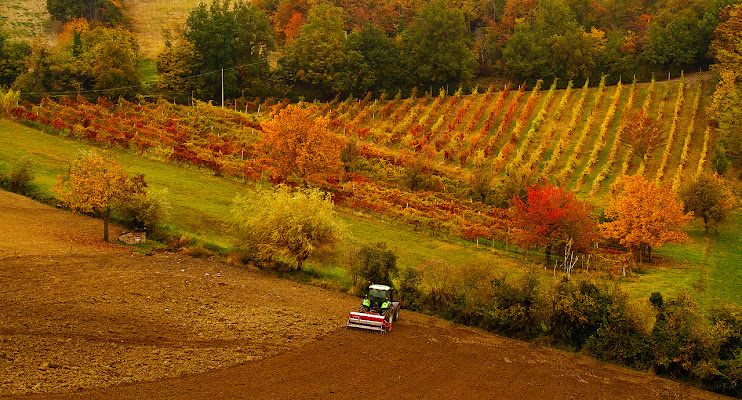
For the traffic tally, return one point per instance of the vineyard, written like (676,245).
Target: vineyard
(572,137)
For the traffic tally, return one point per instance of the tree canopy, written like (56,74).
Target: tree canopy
(104,60)
(235,40)
(301,146)
(643,215)
(550,216)
(96,183)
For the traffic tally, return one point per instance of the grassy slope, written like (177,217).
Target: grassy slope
(201,207)
(201,202)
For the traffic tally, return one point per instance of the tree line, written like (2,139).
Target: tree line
(289,48)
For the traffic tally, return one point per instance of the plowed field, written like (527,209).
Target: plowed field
(82,319)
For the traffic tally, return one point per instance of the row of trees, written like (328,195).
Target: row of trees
(347,47)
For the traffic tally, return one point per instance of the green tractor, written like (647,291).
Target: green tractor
(377,311)
(380,300)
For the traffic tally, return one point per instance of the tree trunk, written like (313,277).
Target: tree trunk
(548,253)
(106,217)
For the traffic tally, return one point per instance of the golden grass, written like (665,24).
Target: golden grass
(151,16)
(26,19)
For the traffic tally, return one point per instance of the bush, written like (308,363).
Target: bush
(678,338)
(517,307)
(146,210)
(409,288)
(377,263)
(623,336)
(578,310)
(22,172)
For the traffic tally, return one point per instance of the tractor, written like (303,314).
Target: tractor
(377,311)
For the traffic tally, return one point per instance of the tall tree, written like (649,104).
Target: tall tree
(372,63)
(437,48)
(281,222)
(550,216)
(96,184)
(707,198)
(553,45)
(178,62)
(301,146)
(317,56)
(233,41)
(644,215)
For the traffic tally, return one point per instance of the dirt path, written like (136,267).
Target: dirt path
(80,319)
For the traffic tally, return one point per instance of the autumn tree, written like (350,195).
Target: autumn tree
(707,198)
(283,222)
(550,216)
(642,134)
(12,56)
(301,146)
(178,62)
(726,104)
(96,184)
(643,215)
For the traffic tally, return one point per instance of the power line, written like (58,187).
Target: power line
(62,93)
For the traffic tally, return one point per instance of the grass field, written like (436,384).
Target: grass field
(201,202)
(705,266)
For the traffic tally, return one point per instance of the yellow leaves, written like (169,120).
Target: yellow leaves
(644,213)
(8,100)
(93,182)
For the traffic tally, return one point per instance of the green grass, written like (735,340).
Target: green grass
(725,278)
(201,202)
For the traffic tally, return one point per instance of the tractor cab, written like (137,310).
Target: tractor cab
(377,311)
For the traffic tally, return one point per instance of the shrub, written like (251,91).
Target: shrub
(409,288)
(517,307)
(377,263)
(146,210)
(578,310)
(623,336)
(678,337)
(21,174)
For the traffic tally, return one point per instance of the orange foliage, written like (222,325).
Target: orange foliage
(302,146)
(644,215)
(79,25)
(293,28)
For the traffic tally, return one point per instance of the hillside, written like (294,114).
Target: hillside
(571,137)
(83,320)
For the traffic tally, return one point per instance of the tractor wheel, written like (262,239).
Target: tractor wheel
(389,315)
(363,309)
(396,315)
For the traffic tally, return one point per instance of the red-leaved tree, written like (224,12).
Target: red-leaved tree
(550,216)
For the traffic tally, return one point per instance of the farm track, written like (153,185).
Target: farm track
(81,319)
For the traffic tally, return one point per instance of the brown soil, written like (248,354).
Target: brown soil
(84,319)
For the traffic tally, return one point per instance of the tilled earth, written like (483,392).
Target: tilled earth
(80,318)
